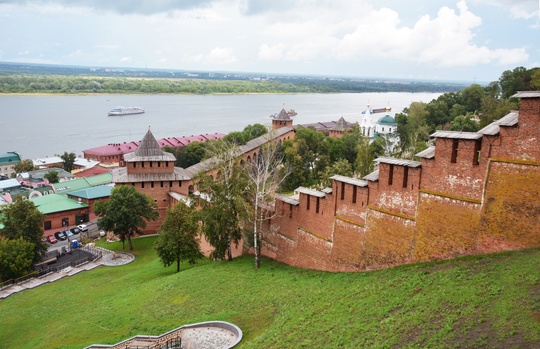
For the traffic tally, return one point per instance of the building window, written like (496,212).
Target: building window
(455,144)
(142,184)
(308,201)
(477,149)
(133,183)
(151,163)
(317,205)
(47,225)
(290,210)
(405,176)
(391,175)
(166,164)
(162,184)
(134,164)
(159,164)
(152,184)
(354,194)
(342,190)
(170,184)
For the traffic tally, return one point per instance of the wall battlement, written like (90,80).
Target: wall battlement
(472,193)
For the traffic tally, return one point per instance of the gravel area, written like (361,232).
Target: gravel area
(117,258)
(207,338)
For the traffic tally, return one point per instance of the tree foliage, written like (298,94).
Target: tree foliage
(22,220)
(177,240)
(228,208)
(16,258)
(23,166)
(69,161)
(52,176)
(125,213)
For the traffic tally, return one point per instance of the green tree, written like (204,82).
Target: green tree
(364,159)
(16,257)
(177,240)
(465,123)
(253,131)
(294,164)
(341,167)
(228,208)
(69,161)
(535,79)
(23,166)
(515,80)
(22,219)
(191,154)
(52,176)
(235,137)
(125,213)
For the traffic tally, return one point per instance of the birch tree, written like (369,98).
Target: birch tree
(266,174)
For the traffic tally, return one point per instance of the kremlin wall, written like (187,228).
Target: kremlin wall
(471,193)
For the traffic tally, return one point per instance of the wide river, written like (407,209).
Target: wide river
(37,126)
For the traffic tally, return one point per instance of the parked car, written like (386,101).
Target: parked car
(75,230)
(44,240)
(52,239)
(60,235)
(68,233)
(83,227)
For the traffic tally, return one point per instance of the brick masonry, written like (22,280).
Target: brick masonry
(473,196)
(477,193)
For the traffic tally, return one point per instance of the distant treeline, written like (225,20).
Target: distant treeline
(21,78)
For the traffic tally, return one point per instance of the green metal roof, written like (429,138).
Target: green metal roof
(104,178)
(101,191)
(9,158)
(56,203)
(387,120)
(66,187)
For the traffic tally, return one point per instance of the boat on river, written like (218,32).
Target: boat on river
(119,111)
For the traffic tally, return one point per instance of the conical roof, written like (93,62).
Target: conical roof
(149,150)
(341,125)
(148,146)
(283,115)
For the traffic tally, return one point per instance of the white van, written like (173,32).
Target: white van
(83,227)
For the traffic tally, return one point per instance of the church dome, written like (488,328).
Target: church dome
(387,120)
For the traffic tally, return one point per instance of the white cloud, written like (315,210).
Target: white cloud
(525,9)
(271,53)
(446,40)
(125,59)
(217,55)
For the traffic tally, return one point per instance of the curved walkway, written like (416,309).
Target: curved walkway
(105,259)
(202,335)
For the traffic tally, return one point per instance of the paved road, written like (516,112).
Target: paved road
(92,232)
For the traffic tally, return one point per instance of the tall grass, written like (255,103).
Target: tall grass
(475,302)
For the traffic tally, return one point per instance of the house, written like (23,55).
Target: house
(8,162)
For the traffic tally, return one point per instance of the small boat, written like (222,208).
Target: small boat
(118,111)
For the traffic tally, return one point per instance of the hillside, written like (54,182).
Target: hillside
(475,302)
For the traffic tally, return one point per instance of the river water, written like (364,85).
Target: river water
(45,125)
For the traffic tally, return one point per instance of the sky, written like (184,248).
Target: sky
(466,41)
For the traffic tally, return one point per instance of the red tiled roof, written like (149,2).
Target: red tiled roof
(128,147)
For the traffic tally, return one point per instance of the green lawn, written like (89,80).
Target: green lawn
(476,302)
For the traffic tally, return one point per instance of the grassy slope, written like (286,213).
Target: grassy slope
(481,302)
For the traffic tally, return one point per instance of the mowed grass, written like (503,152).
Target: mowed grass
(475,302)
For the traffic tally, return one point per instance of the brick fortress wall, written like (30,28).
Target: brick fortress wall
(473,193)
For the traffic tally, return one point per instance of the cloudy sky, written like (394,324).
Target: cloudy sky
(473,40)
